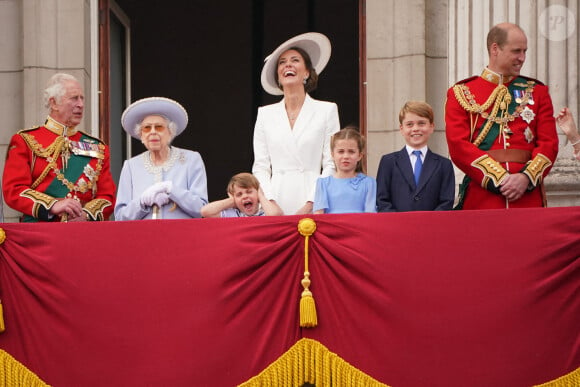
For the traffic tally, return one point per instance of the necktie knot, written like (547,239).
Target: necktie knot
(418,166)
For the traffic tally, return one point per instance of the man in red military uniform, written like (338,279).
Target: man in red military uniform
(56,172)
(500,129)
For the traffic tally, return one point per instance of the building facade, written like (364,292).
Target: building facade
(411,50)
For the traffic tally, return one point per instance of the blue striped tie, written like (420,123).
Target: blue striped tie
(418,166)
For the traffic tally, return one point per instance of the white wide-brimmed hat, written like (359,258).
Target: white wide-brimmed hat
(315,44)
(138,110)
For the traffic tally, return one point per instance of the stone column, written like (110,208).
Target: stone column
(552,57)
(39,39)
(406,60)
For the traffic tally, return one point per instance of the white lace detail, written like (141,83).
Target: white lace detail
(157,170)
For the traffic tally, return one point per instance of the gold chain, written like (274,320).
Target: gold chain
(503,100)
(500,97)
(45,153)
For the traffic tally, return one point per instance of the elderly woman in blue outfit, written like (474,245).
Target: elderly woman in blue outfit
(164,182)
(292,137)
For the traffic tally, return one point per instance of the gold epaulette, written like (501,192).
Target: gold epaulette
(492,170)
(535,168)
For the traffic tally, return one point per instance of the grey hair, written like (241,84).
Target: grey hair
(55,87)
(172,126)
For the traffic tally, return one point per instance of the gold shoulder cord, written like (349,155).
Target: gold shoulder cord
(49,153)
(56,147)
(500,98)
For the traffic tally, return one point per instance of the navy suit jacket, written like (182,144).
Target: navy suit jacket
(396,188)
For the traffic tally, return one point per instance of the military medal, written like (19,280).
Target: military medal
(531,99)
(85,148)
(528,115)
(90,172)
(529,135)
(518,95)
(82,184)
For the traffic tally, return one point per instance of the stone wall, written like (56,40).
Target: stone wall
(39,39)
(418,48)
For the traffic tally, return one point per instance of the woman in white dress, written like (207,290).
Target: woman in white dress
(163,182)
(292,137)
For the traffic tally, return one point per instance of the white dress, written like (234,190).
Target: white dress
(288,161)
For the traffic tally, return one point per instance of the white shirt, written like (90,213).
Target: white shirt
(413,158)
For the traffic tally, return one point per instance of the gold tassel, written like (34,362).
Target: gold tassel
(308,318)
(2,327)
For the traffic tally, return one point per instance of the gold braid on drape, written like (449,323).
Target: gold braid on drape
(569,380)
(13,373)
(308,361)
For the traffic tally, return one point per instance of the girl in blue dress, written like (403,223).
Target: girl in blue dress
(349,189)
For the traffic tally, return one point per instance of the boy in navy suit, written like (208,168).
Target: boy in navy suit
(414,178)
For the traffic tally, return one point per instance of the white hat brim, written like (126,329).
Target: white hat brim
(315,44)
(138,110)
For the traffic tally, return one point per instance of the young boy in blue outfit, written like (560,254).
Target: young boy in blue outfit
(245,198)
(415,178)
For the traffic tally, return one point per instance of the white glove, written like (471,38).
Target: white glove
(167,185)
(161,199)
(148,196)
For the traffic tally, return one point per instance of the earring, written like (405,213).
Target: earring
(304,80)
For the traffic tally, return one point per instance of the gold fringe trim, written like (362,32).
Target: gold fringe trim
(308,318)
(13,373)
(569,380)
(308,361)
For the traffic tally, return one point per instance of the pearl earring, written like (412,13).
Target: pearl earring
(304,80)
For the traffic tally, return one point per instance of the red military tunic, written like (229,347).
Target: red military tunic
(43,165)
(494,130)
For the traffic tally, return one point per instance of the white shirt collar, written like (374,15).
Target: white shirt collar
(423,150)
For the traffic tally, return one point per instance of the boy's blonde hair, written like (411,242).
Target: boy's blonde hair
(243,180)
(420,108)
